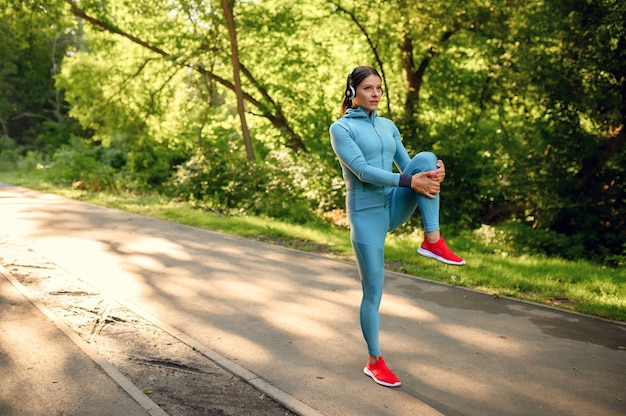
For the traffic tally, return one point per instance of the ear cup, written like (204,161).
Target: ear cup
(350,93)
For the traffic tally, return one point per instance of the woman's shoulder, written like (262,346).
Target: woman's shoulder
(340,122)
(340,128)
(347,120)
(385,122)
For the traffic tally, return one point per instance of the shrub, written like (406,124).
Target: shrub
(77,164)
(274,188)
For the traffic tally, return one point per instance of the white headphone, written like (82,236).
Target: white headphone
(350,92)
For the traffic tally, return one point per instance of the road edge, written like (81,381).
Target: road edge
(133,391)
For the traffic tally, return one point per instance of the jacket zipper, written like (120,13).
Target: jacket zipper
(375,129)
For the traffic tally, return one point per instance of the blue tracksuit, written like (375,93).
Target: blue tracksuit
(367,146)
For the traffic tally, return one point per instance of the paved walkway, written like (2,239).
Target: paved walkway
(292,319)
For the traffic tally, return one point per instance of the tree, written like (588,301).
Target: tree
(523,100)
(227,5)
(579,83)
(32,111)
(189,58)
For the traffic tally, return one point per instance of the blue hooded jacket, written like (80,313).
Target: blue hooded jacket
(367,146)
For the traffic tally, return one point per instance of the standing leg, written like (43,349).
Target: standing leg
(368,232)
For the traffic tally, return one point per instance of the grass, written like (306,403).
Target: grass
(579,286)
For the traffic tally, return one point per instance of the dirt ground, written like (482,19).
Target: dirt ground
(178,378)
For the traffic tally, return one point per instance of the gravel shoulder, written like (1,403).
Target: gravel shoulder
(180,379)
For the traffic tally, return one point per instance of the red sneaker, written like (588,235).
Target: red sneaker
(381,374)
(440,251)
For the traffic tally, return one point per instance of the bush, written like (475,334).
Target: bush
(8,153)
(273,188)
(523,239)
(77,165)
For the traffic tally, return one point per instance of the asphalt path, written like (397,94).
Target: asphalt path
(292,319)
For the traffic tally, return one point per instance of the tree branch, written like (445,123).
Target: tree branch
(373,47)
(278,120)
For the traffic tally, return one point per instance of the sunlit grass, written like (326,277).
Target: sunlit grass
(580,286)
(491,266)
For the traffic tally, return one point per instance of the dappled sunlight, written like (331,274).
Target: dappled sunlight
(317,314)
(299,324)
(311,316)
(235,345)
(443,378)
(492,388)
(146,262)
(155,246)
(484,340)
(250,292)
(293,318)
(78,256)
(403,307)
(186,288)
(416,341)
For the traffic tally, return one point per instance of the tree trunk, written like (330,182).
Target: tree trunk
(227,6)
(414,76)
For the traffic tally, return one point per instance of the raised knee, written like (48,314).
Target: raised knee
(423,161)
(430,157)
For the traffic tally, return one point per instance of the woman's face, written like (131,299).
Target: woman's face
(368,93)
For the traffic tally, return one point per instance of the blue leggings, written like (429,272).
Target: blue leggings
(368,230)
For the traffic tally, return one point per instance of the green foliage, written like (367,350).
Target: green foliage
(523,100)
(8,155)
(77,165)
(32,49)
(238,186)
(577,61)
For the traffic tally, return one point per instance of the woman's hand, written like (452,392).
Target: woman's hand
(429,183)
(426,183)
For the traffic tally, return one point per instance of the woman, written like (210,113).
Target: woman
(379,200)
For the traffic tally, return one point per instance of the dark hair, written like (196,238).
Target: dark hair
(355,77)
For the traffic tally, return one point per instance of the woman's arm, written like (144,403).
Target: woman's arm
(352,157)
